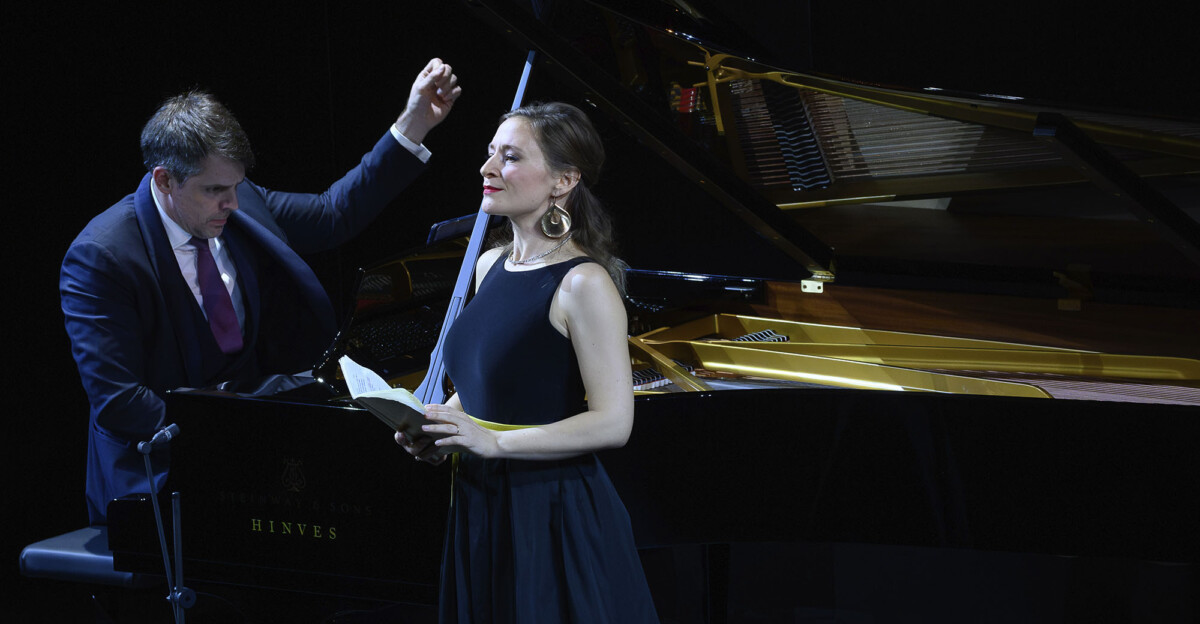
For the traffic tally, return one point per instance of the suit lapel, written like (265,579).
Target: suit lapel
(301,274)
(175,292)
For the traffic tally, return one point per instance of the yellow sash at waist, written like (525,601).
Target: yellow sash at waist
(495,426)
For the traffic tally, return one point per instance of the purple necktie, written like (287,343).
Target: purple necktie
(217,304)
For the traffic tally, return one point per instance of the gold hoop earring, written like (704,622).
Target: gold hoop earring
(556,222)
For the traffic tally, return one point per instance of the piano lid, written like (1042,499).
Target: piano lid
(868,185)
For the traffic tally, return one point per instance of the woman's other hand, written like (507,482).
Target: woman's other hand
(422,448)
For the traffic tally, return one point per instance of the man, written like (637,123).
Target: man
(196,277)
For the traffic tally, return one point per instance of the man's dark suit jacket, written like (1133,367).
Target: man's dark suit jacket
(137,331)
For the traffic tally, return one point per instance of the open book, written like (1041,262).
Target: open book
(395,406)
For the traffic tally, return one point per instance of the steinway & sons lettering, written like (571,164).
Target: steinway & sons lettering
(299,503)
(293,529)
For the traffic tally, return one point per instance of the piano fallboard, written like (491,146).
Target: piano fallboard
(290,495)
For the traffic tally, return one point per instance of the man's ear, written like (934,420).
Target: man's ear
(163,180)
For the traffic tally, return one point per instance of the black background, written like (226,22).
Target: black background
(315,84)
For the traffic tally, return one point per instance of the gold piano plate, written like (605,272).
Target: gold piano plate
(852,357)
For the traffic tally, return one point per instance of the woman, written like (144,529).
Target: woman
(536,531)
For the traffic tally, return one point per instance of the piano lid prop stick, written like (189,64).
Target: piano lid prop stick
(432,388)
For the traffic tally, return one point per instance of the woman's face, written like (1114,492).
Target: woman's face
(516,179)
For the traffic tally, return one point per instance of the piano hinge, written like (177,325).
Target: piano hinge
(816,282)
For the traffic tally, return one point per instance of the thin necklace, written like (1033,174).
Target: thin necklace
(541,255)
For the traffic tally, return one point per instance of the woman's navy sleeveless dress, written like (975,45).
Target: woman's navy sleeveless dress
(531,541)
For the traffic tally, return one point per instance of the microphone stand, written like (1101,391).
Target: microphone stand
(180,597)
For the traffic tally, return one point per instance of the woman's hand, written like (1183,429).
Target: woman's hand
(422,448)
(460,431)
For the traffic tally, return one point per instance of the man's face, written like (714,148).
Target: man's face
(202,204)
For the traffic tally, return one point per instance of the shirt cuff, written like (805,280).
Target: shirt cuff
(420,151)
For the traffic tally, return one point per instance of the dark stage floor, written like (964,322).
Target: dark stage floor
(752,583)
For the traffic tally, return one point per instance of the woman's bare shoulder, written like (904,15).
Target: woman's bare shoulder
(589,281)
(485,262)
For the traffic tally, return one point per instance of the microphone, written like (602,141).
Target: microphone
(163,436)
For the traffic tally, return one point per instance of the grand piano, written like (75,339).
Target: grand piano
(859,315)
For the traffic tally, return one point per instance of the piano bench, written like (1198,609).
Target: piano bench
(80,556)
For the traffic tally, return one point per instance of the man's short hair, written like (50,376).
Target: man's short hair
(187,129)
